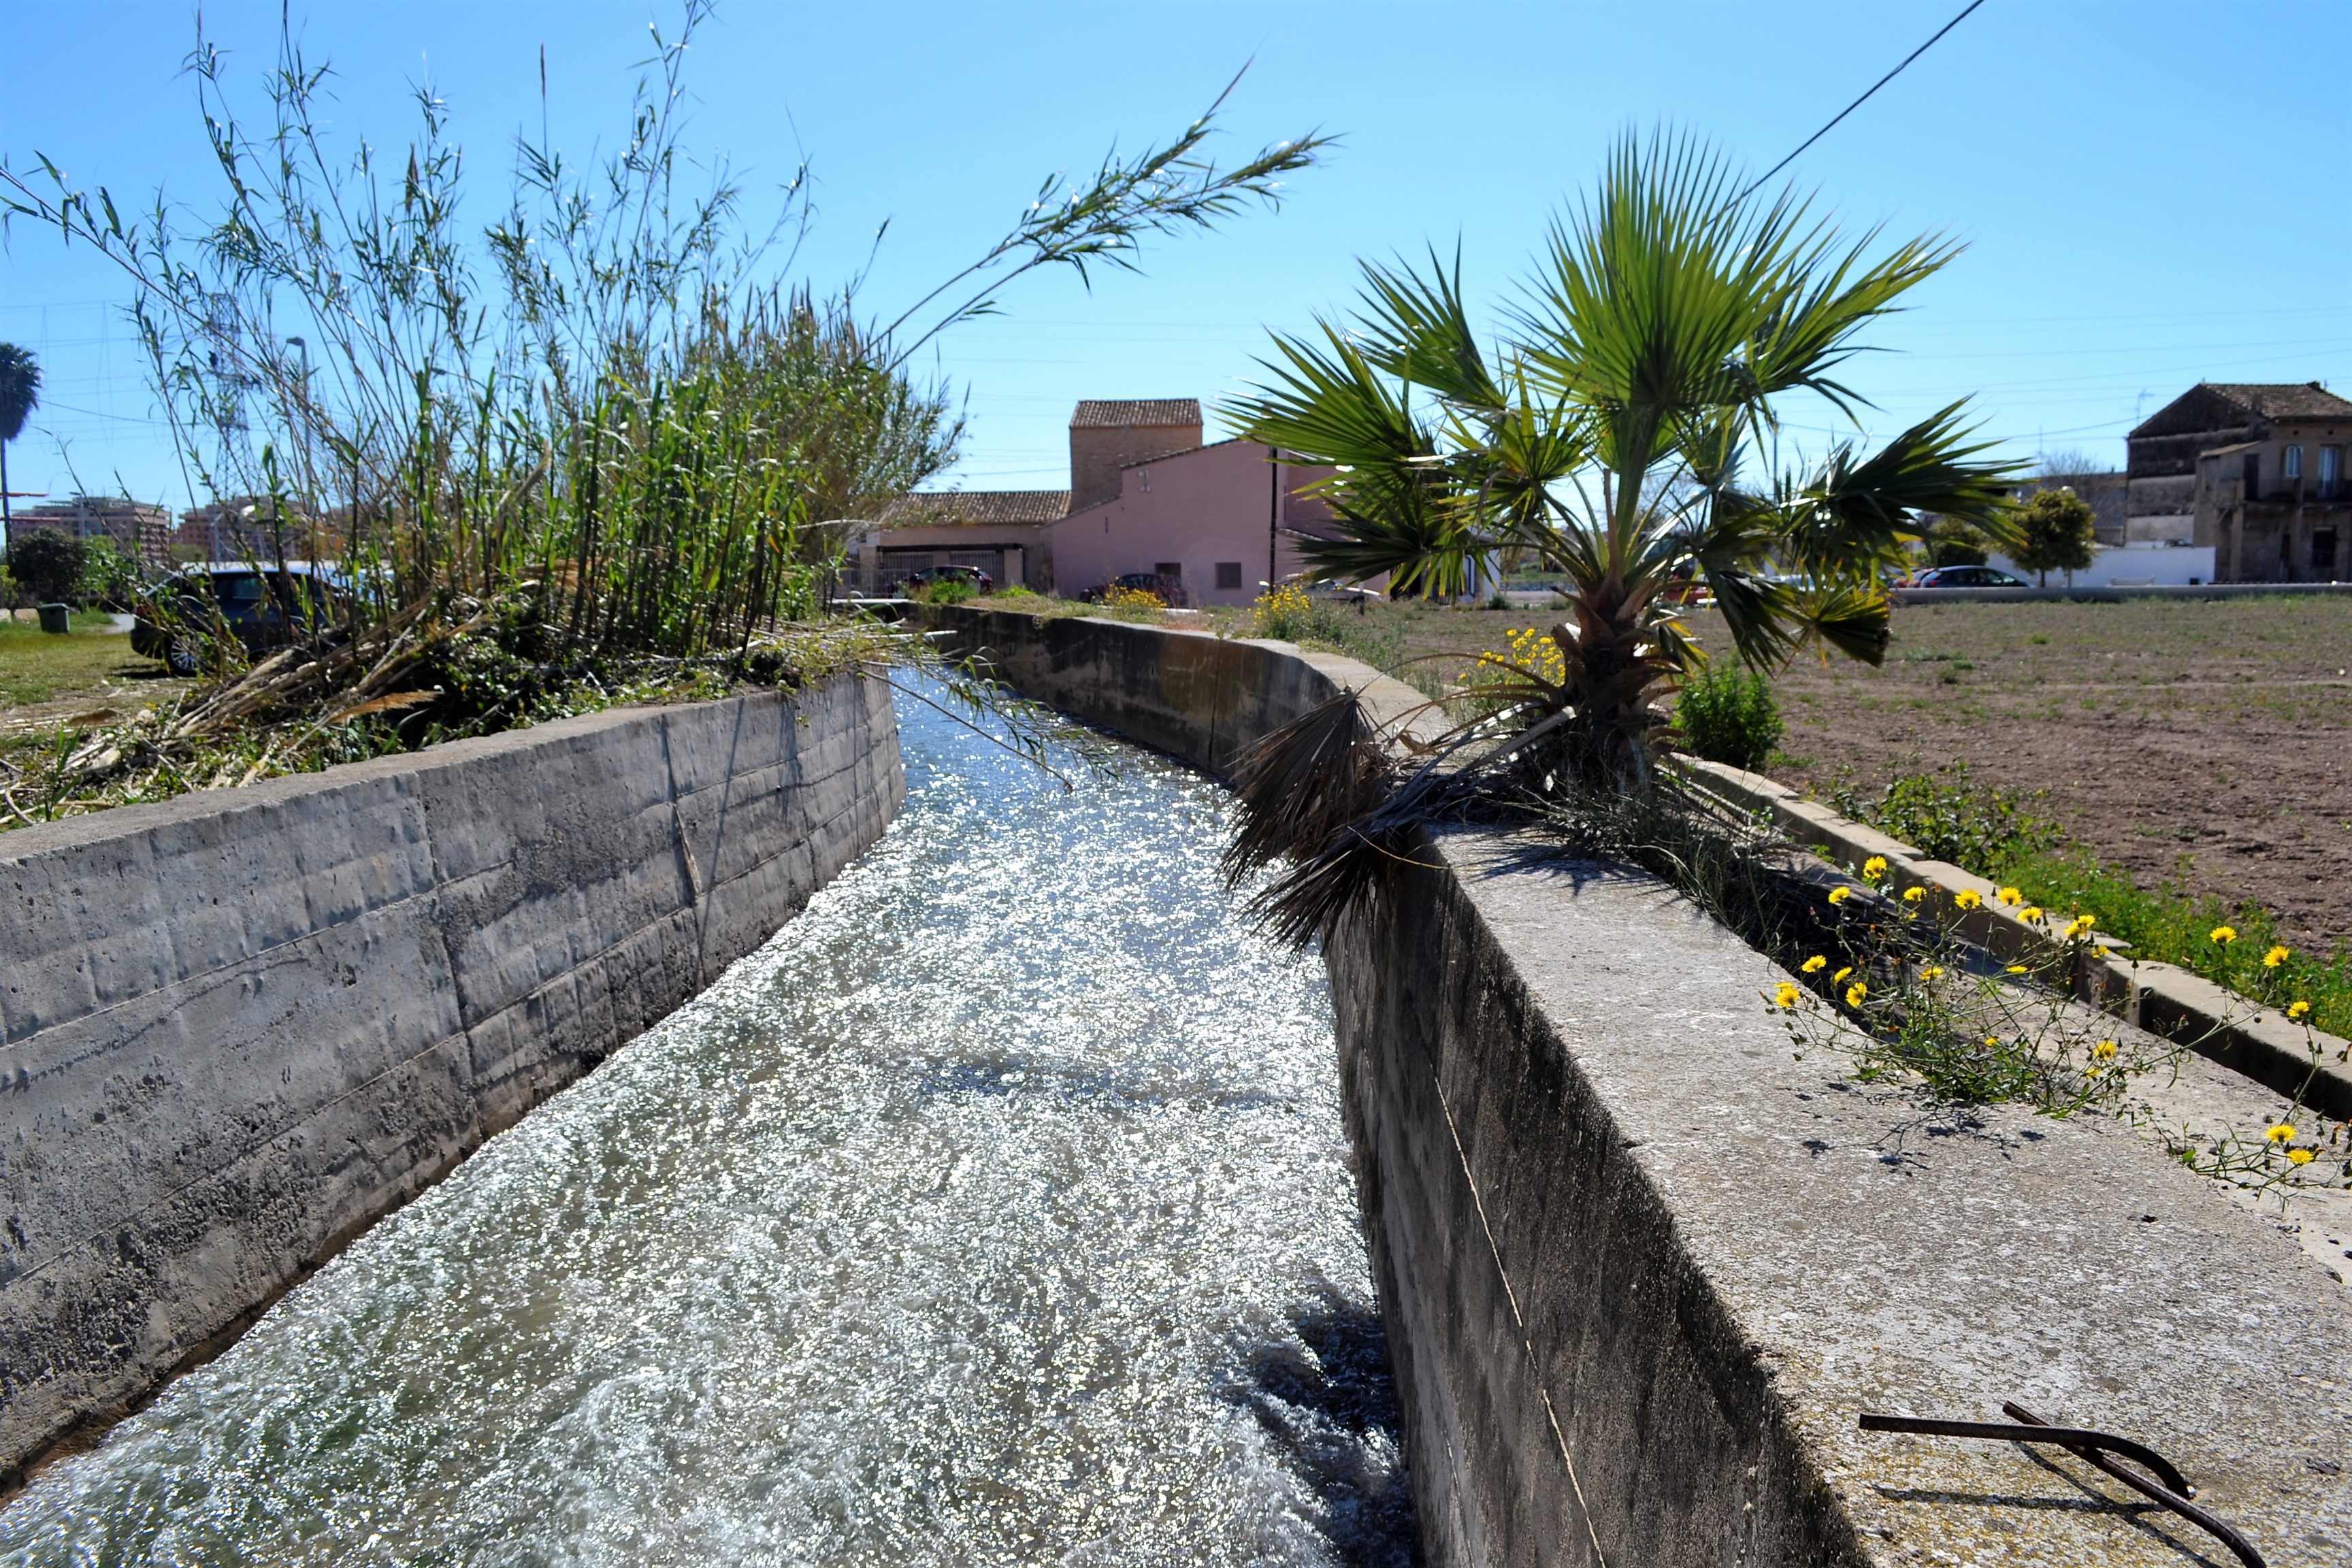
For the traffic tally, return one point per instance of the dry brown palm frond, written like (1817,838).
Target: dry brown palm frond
(1304,783)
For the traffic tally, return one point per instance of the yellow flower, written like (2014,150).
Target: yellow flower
(2016,969)
(2030,912)
(2104,1051)
(1841,974)
(1968,898)
(2276,956)
(2224,935)
(1874,867)
(1912,895)
(1856,992)
(2282,1133)
(2300,1156)
(1788,995)
(1931,972)
(2079,926)
(1839,895)
(1814,964)
(2010,897)
(2297,1009)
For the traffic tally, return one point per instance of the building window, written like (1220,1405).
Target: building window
(1170,571)
(1229,575)
(2293,463)
(2251,467)
(2331,471)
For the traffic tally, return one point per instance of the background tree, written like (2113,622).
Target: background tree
(2054,533)
(1952,543)
(20,393)
(45,564)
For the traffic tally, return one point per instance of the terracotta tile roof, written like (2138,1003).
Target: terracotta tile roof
(1153,412)
(2289,400)
(2218,405)
(944,507)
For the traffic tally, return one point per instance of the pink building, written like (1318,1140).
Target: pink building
(1145,496)
(1223,520)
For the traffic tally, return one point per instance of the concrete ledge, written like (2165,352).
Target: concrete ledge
(2161,998)
(1640,1266)
(237,1026)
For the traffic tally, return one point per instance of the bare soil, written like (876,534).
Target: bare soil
(2207,741)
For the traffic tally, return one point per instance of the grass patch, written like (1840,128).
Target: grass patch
(2002,835)
(35,666)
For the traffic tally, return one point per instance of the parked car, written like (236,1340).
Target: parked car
(263,607)
(1169,593)
(1967,577)
(914,582)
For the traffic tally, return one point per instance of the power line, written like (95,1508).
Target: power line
(1857,104)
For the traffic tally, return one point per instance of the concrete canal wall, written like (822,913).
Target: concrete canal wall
(1642,1263)
(237,1026)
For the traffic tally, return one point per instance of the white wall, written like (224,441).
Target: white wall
(2165,565)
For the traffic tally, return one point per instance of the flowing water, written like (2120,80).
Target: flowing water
(996,1212)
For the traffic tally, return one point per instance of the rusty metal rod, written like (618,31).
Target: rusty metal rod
(2171,1491)
(2175,1497)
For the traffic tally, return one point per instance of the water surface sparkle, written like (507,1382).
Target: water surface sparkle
(995,1212)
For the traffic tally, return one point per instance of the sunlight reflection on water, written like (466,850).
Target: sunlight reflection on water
(995,1212)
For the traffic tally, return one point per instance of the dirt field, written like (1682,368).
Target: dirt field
(2210,737)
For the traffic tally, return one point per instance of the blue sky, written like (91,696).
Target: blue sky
(2151,193)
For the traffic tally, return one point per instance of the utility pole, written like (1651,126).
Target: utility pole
(1273,512)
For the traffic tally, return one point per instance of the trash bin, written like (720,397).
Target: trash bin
(56,619)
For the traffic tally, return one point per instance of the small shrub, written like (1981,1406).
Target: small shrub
(1728,716)
(1285,614)
(1017,593)
(1132,604)
(948,591)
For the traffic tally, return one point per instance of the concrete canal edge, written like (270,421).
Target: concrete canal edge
(1641,1266)
(236,1027)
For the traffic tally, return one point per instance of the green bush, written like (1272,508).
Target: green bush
(45,564)
(1728,716)
(109,577)
(2057,532)
(1952,818)
(948,591)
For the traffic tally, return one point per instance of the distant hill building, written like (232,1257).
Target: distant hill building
(137,528)
(2255,472)
(244,527)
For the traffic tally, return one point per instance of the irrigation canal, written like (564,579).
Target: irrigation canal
(996,1212)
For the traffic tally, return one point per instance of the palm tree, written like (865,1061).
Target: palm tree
(1623,432)
(20,393)
(1608,436)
